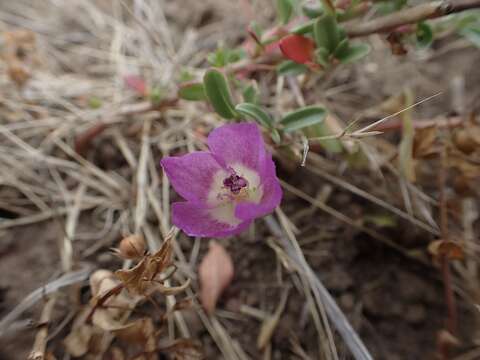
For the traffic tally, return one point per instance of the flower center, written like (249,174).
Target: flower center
(235,183)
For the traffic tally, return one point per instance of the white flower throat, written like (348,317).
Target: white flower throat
(231,186)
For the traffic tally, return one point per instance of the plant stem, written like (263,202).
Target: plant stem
(445,265)
(411,15)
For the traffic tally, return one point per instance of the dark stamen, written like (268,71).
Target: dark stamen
(235,183)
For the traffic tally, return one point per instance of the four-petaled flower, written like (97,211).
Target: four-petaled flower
(227,187)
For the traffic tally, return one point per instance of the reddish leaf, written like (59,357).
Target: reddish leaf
(136,83)
(298,48)
(216,273)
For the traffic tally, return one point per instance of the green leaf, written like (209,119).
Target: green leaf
(312,10)
(289,67)
(222,56)
(424,34)
(192,92)
(306,28)
(255,29)
(302,118)
(342,34)
(467,18)
(95,102)
(255,112)
(472,33)
(285,10)
(218,93)
(389,6)
(342,49)
(326,32)
(250,93)
(185,75)
(322,57)
(275,135)
(156,95)
(353,53)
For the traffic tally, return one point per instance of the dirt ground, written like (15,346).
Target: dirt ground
(393,297)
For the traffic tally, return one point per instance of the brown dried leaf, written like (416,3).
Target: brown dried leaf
(141,331)
(184,349)
(467,139)
(97,278)
(215,273)
(114,310)
(19,54)
(424,141)
(139,278)
(172,290)
(469,169)
(77,342)
(107,319)
(453,250)
(116,353)
(82,338)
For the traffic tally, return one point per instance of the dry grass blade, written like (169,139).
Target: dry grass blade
(63,281)
(352,188)
(350,337)
(40,344)
(271,322)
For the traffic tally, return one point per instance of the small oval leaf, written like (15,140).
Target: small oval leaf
(306,28)
(353,53)
(289,67)
(342,49)
(326,32)
(275,135)
(218,93)
(250,93)
(424,34)
(192,92)
(285,10)
(472,33)
(312,10)
(302,118)
(255,112)
(322,57)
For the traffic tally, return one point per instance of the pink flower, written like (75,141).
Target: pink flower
(227,187)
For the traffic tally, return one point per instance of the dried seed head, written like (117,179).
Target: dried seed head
(97,278)
(131,247)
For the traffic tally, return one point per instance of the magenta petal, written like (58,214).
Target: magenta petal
(192,175)
(272,195)
(239,143)
(195,220)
